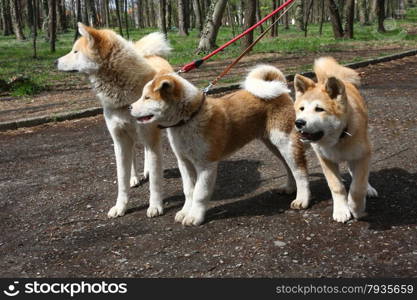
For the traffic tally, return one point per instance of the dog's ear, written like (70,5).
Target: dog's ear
(164,85)
(92,35)
(302,84)
(335,88)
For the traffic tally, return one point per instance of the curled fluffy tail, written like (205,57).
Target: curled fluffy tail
(153,44)
(326,67)
(266,82)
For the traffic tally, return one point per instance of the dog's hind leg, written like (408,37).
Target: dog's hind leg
(189,177)
(370,190)
(359,187)
(290,186)
(292,151)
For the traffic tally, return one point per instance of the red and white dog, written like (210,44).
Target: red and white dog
(204,130)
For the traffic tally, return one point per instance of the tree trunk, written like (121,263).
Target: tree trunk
(182,24)
(119,19)
(380,12)
(363,12)
(85,12)
(126,19)
(258,14)
(78,19)
(322,15)
(250,18)
(198,17)
(212,25)
(6,17)
(299,14)
(307,17)
(92,14)
(17,25)
(162,16)
(274,29)
(34,26)
(106,13)
(349,15)
(335,19)
(52,24)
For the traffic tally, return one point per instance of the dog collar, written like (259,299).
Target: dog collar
(183,122)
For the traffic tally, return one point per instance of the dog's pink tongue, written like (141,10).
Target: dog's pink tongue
(145,118)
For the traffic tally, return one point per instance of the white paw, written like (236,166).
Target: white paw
(154,211)
(179,216)
(194,218)
(299,204)
(371,192)
(341,214)
(134,181)
(287,189)
(116,211)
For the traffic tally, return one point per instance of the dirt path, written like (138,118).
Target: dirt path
(58,181)
(72,96)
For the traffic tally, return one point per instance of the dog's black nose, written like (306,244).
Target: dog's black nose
(56,63)
(129,107)
(300,123)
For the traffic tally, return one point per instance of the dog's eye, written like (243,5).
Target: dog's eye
(147,97)
(75,51)
(302,108)
(319,109)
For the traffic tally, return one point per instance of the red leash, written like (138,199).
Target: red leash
(195,64)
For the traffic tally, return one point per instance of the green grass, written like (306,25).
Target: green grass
(16,57)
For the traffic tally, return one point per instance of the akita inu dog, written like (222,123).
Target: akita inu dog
(332,116)
(118,71)
(203,130)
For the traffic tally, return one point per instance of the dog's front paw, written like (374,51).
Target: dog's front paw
(154,211)
(193,218)
(341,214)
(299,204)
(116,211)
(179,216)
(371,192)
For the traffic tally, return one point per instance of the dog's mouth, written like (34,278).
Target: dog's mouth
(311,137)
(145,119)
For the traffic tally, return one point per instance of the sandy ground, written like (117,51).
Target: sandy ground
(57,183)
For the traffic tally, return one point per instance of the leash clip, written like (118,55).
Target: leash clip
(206,89)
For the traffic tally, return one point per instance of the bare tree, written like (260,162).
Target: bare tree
(349,18)
(52,24)
(162,16)
(34,6)
(6,17)
(299,14)
(126,19)
(363,6)
(212,24)
(250,18)
(380,12)
(182,23)
(198,16)
(335,19)
(17,25)
(119,19)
